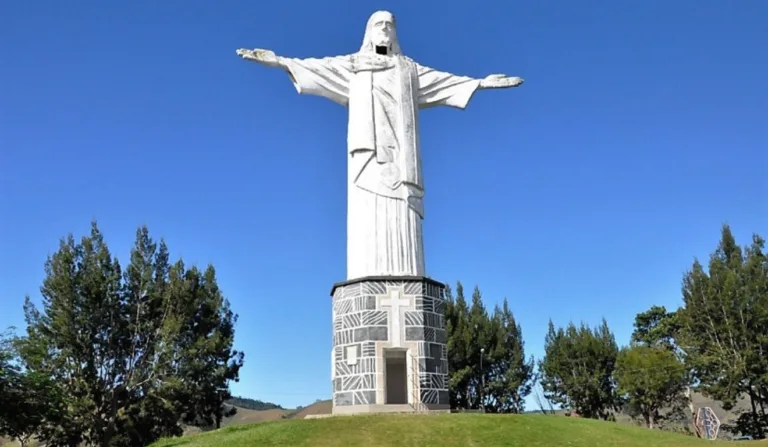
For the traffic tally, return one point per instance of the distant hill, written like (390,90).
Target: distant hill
(253,404)
(319,407)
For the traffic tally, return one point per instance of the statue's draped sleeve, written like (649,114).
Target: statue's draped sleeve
(328,77)
(437,88)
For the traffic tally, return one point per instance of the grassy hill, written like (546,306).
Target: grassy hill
(233,427)
(445,430)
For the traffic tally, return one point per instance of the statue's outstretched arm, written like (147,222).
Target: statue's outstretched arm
(328,77)
(264,57)
(500,81)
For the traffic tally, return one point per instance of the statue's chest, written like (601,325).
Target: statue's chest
(397,81)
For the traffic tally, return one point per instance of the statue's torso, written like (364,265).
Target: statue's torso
(394,168)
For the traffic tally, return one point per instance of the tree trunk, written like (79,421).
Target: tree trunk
(109,432)
(647,418)
(755,417)
(693,412)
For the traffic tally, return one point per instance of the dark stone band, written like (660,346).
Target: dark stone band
(423,279)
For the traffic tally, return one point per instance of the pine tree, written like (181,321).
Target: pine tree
(487,365)
(459,347)
(657,327)
(510,374)
(133,354)
(478,350)
(723,326)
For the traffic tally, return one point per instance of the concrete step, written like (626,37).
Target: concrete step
(361,409)
(400,408)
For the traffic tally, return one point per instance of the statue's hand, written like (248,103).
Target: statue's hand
(265,57)
(500,81)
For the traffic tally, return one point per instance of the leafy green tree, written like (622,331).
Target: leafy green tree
(651,378)
(134,353)
(29,400)
(723,327)
(577,369)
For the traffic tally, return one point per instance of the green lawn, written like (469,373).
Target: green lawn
(460,430)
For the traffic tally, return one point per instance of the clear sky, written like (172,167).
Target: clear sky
(586,193)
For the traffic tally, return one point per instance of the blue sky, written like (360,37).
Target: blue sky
(584,194)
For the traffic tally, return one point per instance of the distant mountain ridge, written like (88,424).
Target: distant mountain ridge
(252,404)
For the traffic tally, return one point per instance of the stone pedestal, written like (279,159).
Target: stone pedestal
(379,323)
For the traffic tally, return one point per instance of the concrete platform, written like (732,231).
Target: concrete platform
(352,410)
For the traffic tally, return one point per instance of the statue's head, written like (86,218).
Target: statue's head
(381,34)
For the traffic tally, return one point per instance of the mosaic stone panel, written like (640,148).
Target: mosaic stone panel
(363,318)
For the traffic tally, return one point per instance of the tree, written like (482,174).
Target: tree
(657,327)
(7,372)
(509,373)
(487,365)
(460,346)
(29,399)
(577,369)
(135,353)
(723,327)
(651,378)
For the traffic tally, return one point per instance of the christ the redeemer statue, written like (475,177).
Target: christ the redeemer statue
(384,91)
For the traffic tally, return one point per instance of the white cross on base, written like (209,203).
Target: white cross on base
(394,326)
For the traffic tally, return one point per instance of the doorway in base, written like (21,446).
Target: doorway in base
(396,374)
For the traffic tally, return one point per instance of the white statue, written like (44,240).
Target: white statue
(384,91)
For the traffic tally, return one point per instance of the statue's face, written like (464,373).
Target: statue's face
(383,30)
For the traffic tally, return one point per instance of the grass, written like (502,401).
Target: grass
(445,430)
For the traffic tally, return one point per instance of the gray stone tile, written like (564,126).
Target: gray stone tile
(377,333)
(351,290)
(341,399)
(414,333)
(350,321)
(429,396)
(369,349)
(431,320)
(430,365)
(414,318)
(374,288)
(414,288)
(429,334)
(365,397)
(374,318)
(365,302)
(425,303)
(360,334)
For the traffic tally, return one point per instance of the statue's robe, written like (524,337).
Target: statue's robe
(385,186)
